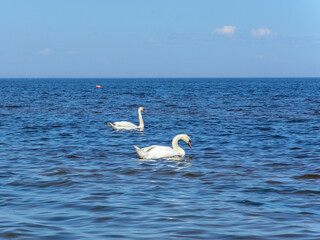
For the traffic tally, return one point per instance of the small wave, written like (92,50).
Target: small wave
(130,172)
(295,148)
(307,192)
(276,164)
(164,172)
(289,236)
(170,105)
(59,171)
(65,134)
(43,184)
(192,175)
(30,127)
(250,203)
(302,156)
(264,128)
(279,136)
(307,213)
(264,190)
(103,219)
(72,156)
(12,106)
(298,120)
(307,176)
(12,234)
(274,182)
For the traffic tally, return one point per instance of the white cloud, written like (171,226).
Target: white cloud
(225,30)
(261,32)
(259,57)
(45,51)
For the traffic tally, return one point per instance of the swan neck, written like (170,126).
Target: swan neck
(141,123)
(175,145)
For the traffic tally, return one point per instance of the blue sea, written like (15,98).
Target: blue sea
(253,171)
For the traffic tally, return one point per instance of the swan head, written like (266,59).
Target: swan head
(186,139)
(141,109)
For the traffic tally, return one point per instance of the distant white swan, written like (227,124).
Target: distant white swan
(156,151)
(123,125)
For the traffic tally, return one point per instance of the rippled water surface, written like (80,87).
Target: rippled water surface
(253,171)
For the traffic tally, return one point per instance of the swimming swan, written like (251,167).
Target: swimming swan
(156,151)
(124,125)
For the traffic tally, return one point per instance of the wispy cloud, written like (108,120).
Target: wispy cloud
(152,40)
(261,32)
(181,36)
(259,57)
(225,30)
(45,51)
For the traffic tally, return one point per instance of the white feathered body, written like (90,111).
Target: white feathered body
(156,151)
(123,125)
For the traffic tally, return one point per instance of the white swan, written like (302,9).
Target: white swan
(156,151)
(123,125)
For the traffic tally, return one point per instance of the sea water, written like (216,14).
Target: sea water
(253,171)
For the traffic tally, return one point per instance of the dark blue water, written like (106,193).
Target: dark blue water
(253,171)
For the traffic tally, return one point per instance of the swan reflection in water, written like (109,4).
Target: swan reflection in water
(177,163)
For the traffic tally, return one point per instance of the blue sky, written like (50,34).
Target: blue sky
(160,38)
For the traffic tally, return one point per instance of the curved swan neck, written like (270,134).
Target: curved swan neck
(175,145)
(141,123)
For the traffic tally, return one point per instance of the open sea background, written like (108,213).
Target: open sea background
(253,171)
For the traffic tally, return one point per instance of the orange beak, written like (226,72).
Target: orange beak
(189,143)
(98,86)
(144,111)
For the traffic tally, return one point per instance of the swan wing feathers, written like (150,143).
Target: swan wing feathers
(124,125)
(156,151)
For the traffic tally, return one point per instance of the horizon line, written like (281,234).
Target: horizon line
(1,78)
